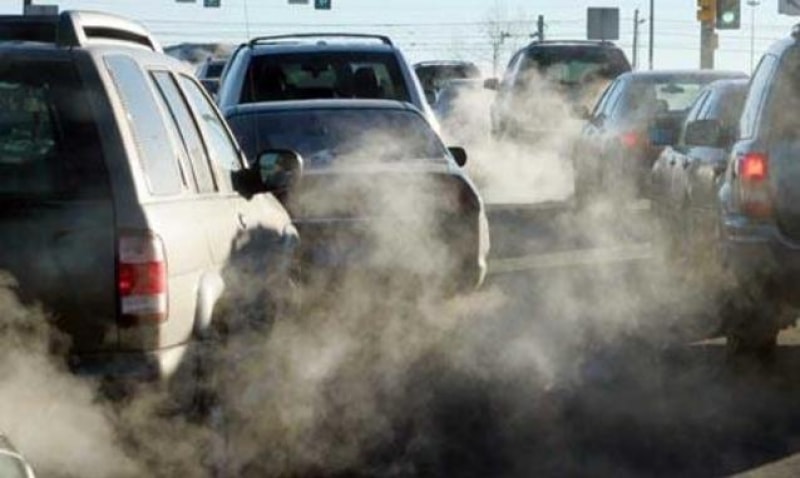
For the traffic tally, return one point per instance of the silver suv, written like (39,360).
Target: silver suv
(320,66)
(126,205)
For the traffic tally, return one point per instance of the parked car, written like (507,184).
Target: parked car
(209,73)
(320,66)
(549,80)
(12,463)
(687,175)
(376,173)
(125,200)
(760,204)
(434,74)
(614,153)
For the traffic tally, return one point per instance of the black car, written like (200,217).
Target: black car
(759,204)
(687,175)
(549,80)
(615,153)
(379,190)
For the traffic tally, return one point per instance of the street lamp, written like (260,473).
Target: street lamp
(753,4)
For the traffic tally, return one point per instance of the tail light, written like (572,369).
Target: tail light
(631,139)
(753,171)
(141,279)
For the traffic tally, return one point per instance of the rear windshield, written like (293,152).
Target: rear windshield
(574,64)
(672,95)
(49,146)
(320,75)
(435,76)
(325,136)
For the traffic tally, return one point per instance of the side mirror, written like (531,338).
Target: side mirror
(274,171)
(491,84)
(459,154)
(707,132)
(663,132)
(279,170)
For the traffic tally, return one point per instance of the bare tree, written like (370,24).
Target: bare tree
(504,30)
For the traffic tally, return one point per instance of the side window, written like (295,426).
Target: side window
(704,109)
(221,146)
(188,131)
(147,124)
(600,107)
(614,99)
(755,98)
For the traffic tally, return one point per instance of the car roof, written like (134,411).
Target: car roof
(324,104)
(443,63)
(666,75)
(75,29)
(319,47)
(572,43)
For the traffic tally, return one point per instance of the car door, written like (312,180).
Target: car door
(258,254)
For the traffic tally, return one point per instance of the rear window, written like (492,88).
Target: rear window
(300,76)
(574,64)
(326,136)
(49,144)
(673,95)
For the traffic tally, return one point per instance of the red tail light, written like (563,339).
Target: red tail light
(753,167)
(142,279)
(753,171)
(631,139)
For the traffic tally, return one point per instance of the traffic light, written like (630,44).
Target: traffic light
(322,4)
(706,10)
(729,14)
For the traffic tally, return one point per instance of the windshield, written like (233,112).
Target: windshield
(300,76)
(323,137)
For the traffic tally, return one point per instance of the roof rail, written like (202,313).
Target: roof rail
(304,36)
(75,29)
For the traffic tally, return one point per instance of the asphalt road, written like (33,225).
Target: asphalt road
(597,364)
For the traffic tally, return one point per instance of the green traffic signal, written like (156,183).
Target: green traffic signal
(729,14)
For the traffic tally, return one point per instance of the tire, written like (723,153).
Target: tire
(751,332)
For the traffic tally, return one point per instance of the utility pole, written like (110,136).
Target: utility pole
(753,4)
(540,28)
(497,44)
(636,22)
(652,34)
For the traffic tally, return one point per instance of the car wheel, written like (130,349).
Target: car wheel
(751,332)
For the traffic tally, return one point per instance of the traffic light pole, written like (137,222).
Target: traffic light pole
(708,44)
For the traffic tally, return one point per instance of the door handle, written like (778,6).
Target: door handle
(242,221)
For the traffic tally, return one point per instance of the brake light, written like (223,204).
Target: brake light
(630,139)
(754,194)
(141,279)
(753,167)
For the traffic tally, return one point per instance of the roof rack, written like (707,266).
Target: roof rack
(75,29)
(304,36)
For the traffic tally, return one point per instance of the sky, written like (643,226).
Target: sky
(450,29)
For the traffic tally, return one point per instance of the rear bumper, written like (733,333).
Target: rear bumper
(129,367)
(759,255)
